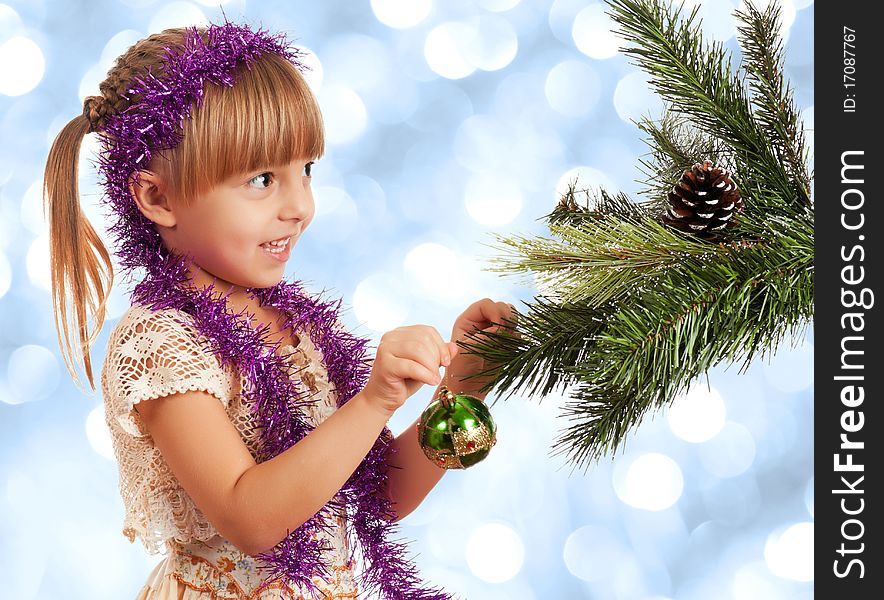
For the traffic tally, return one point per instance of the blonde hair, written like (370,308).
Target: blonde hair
(269,117)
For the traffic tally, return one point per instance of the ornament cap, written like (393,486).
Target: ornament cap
(446,397)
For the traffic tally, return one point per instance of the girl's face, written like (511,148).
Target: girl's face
(243,231)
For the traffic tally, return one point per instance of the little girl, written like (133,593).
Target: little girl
(249,426)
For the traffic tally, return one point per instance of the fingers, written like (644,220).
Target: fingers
(487,311)
(412,369)
(510,318)
(437,351)
(507,311)
(498,317)
(487,316)
(406,367)
(423,345)
(502,314)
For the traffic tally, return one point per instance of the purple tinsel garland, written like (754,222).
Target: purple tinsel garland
(129,139)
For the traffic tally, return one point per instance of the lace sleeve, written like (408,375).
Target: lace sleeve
(155,354)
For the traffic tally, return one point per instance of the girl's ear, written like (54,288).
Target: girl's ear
(149,193)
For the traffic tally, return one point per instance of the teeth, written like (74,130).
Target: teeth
(277,246)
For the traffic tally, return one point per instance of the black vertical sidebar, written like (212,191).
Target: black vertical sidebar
(848,363)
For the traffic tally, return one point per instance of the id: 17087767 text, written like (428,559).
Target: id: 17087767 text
(848,71)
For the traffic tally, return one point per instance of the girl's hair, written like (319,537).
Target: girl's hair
(269,117)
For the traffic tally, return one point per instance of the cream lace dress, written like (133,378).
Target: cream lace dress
(154,354)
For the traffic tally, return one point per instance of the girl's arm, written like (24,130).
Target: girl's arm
(411,475)
(256,505)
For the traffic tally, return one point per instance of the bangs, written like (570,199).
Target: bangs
(269,117)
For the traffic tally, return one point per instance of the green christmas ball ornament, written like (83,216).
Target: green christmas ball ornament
(456,431)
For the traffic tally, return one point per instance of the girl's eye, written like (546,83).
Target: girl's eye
(308,168)
(268,177)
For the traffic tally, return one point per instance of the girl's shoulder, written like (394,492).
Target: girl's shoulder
(139,319)
(152,353)
(168,333)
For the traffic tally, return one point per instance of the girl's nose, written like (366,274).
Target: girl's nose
(297,204)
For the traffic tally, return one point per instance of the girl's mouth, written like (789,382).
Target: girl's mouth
(278,249)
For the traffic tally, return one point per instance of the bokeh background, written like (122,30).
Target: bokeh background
(447,121)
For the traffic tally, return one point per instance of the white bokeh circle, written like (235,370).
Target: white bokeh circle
(498,5)
(789,552)
(790,370)
(32,209)
(593,32)
(753,581)
(592,552)
(380,301)
(11,24)
(314,74)
(717,16)
(493,43)
(433,267)
(492,200)
(495,552)
(650,481)
(344,114)
(337,215)
(37,262)
(572,88)
(401,14)
(32,373)
(478,143)
(634,97)
(444,50)
(178,14)
(98,434)
(22,66)
(697,415)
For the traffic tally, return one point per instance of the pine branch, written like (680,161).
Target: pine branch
(764,61)
(605,259)
(697,80)
(720,303)
(648,353)
(597,204)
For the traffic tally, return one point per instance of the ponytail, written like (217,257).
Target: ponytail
(81,267)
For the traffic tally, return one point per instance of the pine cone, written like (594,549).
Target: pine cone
(704,201)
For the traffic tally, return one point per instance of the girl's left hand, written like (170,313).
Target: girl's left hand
(478,316)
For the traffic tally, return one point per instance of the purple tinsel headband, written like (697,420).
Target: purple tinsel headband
(153,123)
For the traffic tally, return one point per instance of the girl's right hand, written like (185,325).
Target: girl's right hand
(406,359)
